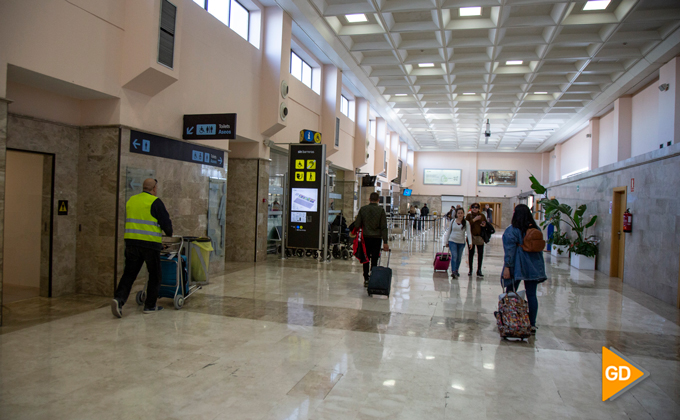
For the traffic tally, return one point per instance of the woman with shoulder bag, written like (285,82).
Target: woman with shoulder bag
(520,263)
(455,239)
(477,221)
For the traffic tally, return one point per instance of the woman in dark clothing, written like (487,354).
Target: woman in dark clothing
(477,221)
(520,265)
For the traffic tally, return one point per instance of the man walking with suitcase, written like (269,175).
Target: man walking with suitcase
(145,217)
(373,221)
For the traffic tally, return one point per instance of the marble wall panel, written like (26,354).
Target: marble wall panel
(30,134)
(3,153)
(262,211)
(346,188)
(653,248)
(98,193)
(246,222)
(183,187)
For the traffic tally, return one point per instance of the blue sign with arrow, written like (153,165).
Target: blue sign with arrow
(152,145)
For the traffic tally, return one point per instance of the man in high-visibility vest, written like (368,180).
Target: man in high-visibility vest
(145,217)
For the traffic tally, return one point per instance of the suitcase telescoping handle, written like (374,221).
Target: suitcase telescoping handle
(389,254)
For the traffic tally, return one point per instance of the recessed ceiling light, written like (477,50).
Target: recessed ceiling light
(540,93)
(470,11)
(400,94)
(468,93)
(357,17)
(426,65)
(596,5)
(513,62)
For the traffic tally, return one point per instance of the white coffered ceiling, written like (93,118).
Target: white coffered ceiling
(569,57)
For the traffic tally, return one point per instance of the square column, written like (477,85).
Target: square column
(669,103)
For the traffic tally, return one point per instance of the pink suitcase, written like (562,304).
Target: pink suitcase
(442,261)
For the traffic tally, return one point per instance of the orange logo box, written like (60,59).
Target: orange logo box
(618,374)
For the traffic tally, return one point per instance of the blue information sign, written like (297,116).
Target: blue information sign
(152,145)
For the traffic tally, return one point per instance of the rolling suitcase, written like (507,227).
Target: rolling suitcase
(512,316)
(442,261)
(380,281)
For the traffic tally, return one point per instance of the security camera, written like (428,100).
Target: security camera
(664,87)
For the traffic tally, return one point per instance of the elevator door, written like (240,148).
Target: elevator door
(28,215)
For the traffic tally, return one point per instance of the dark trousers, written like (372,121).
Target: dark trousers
(135,257)
(373,246)
(530,287)
(480,256)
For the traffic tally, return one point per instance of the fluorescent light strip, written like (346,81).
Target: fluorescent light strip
(357,17)
(470,11)
(596,5)
(540,93)
(426,65)
(468,93)
(400,94)
(513,62)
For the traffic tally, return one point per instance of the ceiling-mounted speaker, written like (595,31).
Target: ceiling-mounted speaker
(284,89)
(283,111)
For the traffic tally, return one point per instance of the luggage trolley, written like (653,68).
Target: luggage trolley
(175,281)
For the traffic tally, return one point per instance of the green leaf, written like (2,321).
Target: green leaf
(580,210)
(591,222)
(536,186)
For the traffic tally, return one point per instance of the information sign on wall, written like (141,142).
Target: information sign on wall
(209,127)
(306,163)
(442,176)
(495,178)
(149,144)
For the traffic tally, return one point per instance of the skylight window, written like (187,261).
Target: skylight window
(596,5)
(470,11)
(513,62)
(357,17)
(426,65)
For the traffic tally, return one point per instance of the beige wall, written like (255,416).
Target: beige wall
(645,122)
(608,143)
(575,154)
(469,163)
(23,215)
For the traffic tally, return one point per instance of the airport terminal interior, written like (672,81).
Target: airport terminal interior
(264,126)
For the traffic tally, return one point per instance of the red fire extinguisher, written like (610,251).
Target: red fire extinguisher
(627,221)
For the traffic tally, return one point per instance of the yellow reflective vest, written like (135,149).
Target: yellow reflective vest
(139,223)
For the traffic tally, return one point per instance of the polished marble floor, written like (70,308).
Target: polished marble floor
(298,339)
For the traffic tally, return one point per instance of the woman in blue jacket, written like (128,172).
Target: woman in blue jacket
(520,265)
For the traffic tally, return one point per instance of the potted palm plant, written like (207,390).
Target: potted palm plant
(583,251)
(559,241)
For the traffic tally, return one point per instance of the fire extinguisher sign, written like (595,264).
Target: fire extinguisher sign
(632,184)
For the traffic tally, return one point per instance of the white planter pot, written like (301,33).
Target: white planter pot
(582,262)
(554,251)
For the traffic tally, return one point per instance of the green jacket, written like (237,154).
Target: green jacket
(373,220)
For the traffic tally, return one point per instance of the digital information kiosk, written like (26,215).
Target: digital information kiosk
(306,192)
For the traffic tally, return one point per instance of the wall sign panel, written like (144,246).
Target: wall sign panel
(495,178)
(442,176)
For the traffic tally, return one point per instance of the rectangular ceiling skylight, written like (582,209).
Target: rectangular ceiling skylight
(513,62)
(470,11)
(357,17)
(426,65)
(596,5)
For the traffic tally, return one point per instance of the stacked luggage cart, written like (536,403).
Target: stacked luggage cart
(176,281)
